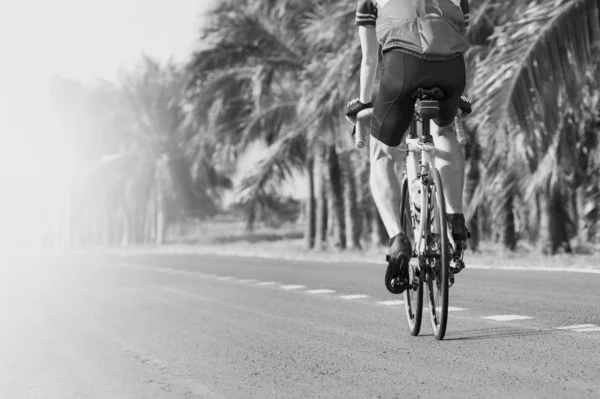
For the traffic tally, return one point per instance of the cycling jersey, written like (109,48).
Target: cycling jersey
(428,29)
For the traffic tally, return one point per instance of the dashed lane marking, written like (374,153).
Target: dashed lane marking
(506,317)
(581,328)
(391,303)
(266,283)
(356,296)
(293,287)
(323,291)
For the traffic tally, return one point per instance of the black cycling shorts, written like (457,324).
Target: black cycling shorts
(402,74)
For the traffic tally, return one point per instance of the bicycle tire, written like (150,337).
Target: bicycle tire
(413,297)
(437,242)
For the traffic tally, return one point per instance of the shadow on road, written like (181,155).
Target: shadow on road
(494,333)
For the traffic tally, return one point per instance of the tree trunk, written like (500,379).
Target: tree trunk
(590,212)
(321,200)
(331,224)
(309,233)
(160,214)
(337,197)
(554,223)
(545,236)
(508,234)
(352,213)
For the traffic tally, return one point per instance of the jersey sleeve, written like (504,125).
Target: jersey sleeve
(464,6)
(366,13)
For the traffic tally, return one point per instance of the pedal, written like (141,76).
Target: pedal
(450,279)
(459,265)
(415,284)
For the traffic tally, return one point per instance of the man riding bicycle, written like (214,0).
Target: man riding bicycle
(423,44)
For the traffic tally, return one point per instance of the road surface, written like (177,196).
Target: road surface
(100,326)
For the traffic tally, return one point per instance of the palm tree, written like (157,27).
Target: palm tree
(525,85)
(246,78)
(140,169)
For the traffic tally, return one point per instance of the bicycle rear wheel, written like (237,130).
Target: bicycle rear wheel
(437,257)
(413,297)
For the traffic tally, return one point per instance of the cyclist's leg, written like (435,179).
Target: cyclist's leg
(449,158)
(387,166)
(392,114)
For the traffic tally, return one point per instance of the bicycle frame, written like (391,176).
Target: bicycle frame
(419,160)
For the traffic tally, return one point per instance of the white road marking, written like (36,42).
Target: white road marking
(247,281)
(293,287)
(581,328)
(506,317)
(226,278)
(391,303)
(265,283)
(589,329)
(323,291)
(357,296)
(575,327)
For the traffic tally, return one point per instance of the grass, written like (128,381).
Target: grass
(228,236)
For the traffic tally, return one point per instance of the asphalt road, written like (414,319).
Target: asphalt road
(220,327)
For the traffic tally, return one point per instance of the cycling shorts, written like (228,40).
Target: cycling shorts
(402,74)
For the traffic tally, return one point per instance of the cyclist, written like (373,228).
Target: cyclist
(423,42)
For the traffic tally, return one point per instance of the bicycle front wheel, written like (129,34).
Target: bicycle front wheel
(413,297)
(437,256)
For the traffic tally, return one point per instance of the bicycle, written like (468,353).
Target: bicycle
(423,212)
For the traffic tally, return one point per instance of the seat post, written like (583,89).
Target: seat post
(426,138)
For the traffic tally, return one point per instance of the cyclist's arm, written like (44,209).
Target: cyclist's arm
(366,19)
(370,59)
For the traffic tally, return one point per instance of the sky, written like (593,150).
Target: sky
(83,39)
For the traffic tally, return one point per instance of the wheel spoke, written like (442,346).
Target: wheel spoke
(413,297)
(437,274)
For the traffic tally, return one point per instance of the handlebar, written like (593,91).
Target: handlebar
(460,131)
(361,129)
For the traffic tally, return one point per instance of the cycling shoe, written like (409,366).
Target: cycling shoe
(396,275)
(458,227)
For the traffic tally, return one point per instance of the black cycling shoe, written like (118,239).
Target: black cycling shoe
(458,227)
(396,275)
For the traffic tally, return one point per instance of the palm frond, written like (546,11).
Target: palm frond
(533,59)
(259,189)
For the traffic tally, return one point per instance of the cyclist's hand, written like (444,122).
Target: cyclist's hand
(465,105)
(354,107)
